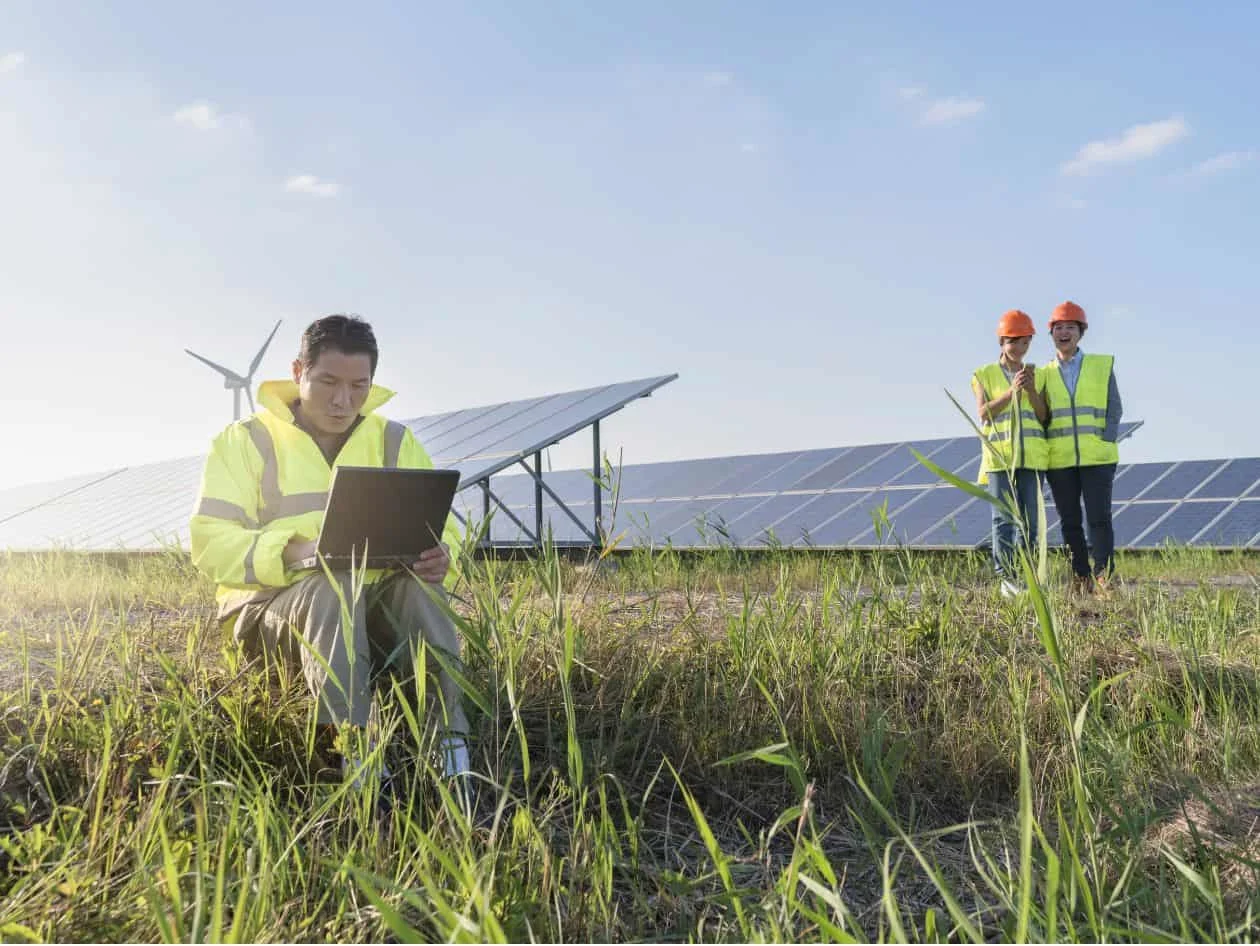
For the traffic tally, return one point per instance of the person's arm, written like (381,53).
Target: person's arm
(229,544)
(1037,397)
(988,410)
(414,457)
(1115,410)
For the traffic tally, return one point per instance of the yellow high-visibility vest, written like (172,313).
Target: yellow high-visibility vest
(1016,434)
(266,481)
(1074,433)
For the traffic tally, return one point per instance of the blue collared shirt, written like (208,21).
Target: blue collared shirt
(1070,371)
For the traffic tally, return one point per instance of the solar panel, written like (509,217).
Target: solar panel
(1236,529)
(949,455)
(454,424)
(1234,480)
(138,507)
(1132,520)
(860,517)
(650,480)
(966,527)
(791,472)
(692,478)
(760,523)
(482,448)
(715,527)
(652,523)
(930,505)
(899,461)
(18,499)
(1135,478)
(807,519)
(1184,523)
(572,486)
(1183,479)
(512,490)
(563,529)
(749,471)
(845,465)
(970,471)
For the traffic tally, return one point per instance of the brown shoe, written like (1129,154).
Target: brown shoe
(1082,585)
(1103,586)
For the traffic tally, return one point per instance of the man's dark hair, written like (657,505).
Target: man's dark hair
(348,334)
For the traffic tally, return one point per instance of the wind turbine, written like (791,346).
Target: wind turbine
(235,382)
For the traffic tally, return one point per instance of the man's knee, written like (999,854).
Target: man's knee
(421,610)
(328,600)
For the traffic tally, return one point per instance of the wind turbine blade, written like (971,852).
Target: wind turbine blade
(249,394)
(231,375)
(253,366)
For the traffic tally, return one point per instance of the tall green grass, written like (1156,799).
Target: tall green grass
(731,747)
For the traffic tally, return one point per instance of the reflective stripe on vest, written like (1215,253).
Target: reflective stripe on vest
(1025,433)
(222,509)
(275,504)
(394,433)
(1077,420)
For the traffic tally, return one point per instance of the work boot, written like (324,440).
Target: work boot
(1082,585)
(1103,586)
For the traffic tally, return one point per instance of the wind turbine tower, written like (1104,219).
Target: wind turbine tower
(235,382)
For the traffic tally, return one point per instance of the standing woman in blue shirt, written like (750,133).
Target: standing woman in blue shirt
(1084,425)
(1012,407)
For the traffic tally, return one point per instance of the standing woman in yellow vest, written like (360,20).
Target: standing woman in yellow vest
(1085,412)
(1012,407)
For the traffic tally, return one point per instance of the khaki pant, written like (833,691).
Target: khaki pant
(303,627)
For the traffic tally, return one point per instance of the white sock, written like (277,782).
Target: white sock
(455,755)
(352,766)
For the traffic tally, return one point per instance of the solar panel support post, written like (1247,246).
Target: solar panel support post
(541,485)
(597,471)
(485,507)
(533,538)
(538,494)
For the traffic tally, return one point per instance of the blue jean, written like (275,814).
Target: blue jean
(1027,486)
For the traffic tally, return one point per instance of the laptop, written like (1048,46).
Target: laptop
(393,514)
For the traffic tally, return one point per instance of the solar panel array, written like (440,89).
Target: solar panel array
(868,496)
(147,507)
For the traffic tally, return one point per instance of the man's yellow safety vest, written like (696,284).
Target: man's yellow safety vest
(266,481)
(1016,434)
(1077,420)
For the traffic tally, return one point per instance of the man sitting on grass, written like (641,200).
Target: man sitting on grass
(259,513)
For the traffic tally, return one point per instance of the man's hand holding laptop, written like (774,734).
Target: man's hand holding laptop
(431,567)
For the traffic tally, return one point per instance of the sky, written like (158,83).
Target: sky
(813,215)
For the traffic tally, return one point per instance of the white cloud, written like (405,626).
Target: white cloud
(948,111)
(205,116)
(9,62)
(1229,161)
(200,115)
(717,79)
(1136,143)
(749,147)
(910,93)
(310,184)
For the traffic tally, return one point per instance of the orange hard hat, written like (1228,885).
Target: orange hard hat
(1068,312)
(1015,324)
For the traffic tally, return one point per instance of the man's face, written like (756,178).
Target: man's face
(333,389)
(1066,335)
